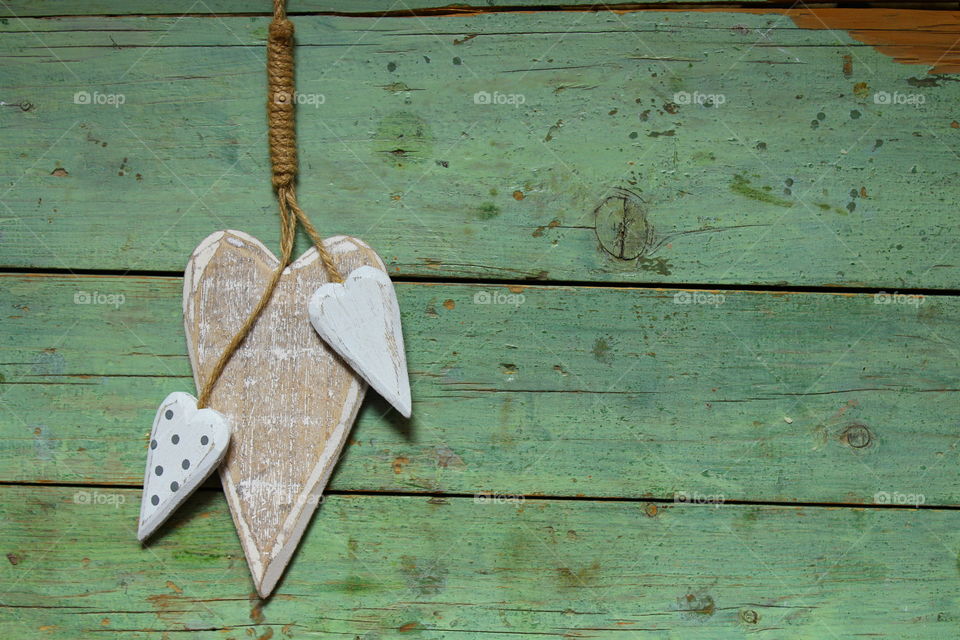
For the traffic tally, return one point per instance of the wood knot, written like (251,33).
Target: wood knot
(622,227)
(749,616)
(857,436)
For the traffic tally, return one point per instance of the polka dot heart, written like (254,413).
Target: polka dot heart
(186,444)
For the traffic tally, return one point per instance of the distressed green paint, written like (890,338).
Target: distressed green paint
(488,210)
(555,390)
(599,175)
(37,8)
(394,567)
(741,186)
(187,149)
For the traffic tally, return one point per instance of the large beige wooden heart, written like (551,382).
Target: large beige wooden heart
(290,399)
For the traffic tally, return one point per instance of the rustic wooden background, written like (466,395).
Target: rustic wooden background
(680,369)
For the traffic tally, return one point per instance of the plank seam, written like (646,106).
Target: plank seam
(538,497)
(9,272)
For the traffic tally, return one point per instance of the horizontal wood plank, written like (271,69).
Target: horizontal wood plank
(610,168)
(378,567)
(536,390)
(44,8)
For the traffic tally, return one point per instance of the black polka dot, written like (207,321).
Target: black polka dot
(185,464)
(155,500)
(169,414)
(175,439)
(153,444)
(204,440)
(174,486)
(159,470)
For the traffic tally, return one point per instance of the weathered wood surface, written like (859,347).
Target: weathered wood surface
(609,171)
(555,390)
(41,8)
(395,567)
(290,399)
(798,177)
(46,8)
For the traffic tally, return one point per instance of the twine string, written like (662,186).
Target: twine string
(281,108)
(281,125)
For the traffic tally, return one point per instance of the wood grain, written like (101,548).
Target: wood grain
(909,37)
(590,391)
(396,567)
(798,178)
(801,177)
(45,8)
(290,400)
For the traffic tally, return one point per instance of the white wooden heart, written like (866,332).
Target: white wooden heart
(290,399)
(360,319)
(186,445)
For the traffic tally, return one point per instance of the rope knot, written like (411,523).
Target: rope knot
(280,102)
(281,29)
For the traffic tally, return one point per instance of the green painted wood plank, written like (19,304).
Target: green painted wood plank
(381,567)
(40,8)
(798,177)
(551,390)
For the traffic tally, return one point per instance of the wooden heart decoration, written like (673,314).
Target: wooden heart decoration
(360,319)
(186,445)
(290,399)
